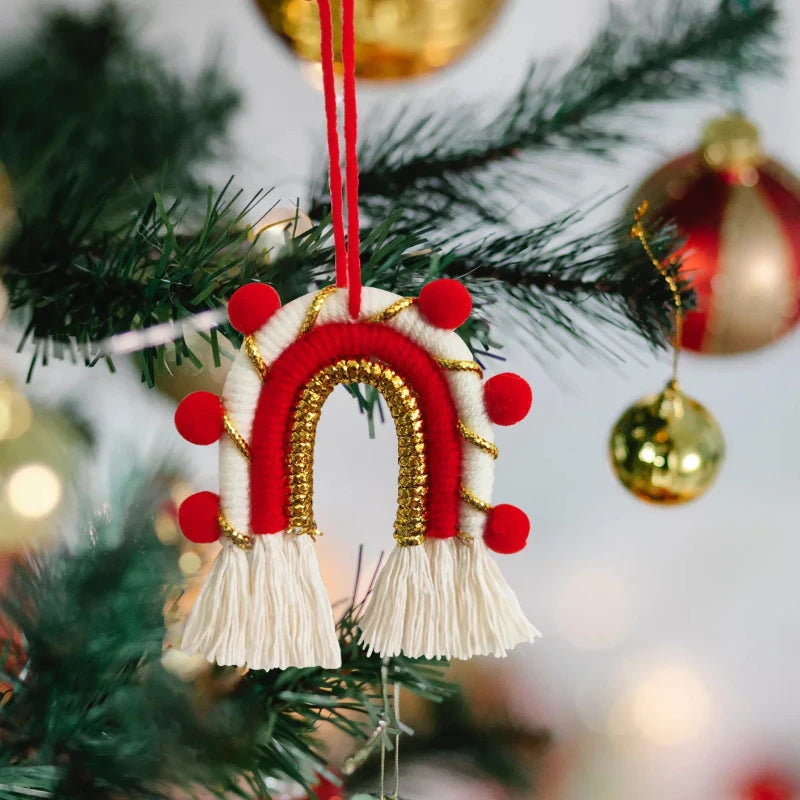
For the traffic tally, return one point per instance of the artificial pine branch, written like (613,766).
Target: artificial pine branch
(94,258)
(94,714)
(445,163)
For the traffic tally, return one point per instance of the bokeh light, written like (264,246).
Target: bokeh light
(34,491)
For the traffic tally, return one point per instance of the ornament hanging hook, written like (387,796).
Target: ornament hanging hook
(638,232)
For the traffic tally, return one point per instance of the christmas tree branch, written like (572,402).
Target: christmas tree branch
(446,163)
(84,106)
(560,285)
(96,713)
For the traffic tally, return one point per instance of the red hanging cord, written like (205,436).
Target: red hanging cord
(348,257)
(351,156)
(334,168)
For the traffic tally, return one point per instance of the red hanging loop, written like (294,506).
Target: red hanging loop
(351,156)
(334,167)
(348,256)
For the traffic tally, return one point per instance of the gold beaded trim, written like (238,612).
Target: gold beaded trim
(393,310)
(465,537)
(235,436)
(409,526)
(254,354)
(478,440)
(313,310)
(475,501)
(460,366)
(242,540)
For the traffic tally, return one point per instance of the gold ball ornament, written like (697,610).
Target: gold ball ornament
(394,38)
(666,448)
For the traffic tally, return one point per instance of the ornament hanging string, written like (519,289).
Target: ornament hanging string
(638,232)
(347,252)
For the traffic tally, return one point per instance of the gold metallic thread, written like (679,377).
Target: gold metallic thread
(393,310)
(478,440)
(313,310)
(638,232)
(254,354)
(235,436)
(242,540)
(473,500)
(458,365)
(410,522)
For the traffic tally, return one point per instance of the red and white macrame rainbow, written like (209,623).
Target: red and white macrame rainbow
(439,594)
(263,603)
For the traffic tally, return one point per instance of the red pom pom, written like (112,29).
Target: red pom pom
(507,529)
(251,306)
(198,418)
(445,303)
(199,517)
(507,398)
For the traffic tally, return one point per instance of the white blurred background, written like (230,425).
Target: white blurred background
(671,652)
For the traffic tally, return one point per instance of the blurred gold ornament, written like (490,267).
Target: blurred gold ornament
(666,448)
(177,379)
(278,227)
(394,38)
(39,456)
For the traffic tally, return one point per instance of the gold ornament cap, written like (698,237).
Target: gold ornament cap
(666,448)
(731,142)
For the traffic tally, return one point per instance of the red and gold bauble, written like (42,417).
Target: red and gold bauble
(739,212)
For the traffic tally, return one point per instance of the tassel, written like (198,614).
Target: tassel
(489,614)
(445,638)
(401,606)
(314,628)
(290,625)
(217,625)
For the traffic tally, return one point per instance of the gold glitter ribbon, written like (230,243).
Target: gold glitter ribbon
(235,436)
(412,489)
(254,354)
(313,310)
(458,365)
(638,232)
(241,540)
(393,310)
(478,440)
(473,500)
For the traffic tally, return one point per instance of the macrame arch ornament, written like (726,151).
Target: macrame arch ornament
(440,593)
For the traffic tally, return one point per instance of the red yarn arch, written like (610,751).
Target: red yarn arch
(297,365)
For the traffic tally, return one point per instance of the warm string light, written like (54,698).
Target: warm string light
(638,232)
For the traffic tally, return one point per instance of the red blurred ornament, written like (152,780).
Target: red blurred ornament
(769,786)
(740,214)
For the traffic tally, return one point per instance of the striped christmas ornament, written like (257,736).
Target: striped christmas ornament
(439,594)
(740,214)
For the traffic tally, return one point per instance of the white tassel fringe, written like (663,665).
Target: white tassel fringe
(489,614)
(402,606)
(264,609)
(216,627)
(291,620)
